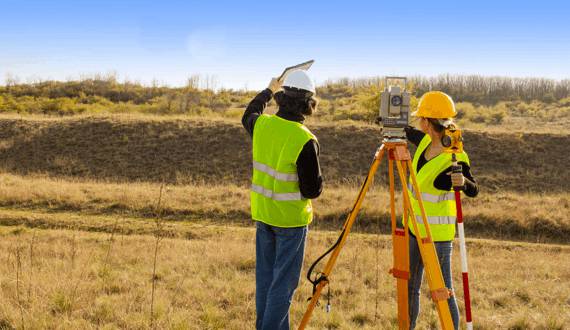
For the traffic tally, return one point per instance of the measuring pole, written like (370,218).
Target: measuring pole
(462,248)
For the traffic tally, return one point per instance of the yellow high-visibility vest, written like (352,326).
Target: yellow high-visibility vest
(275,195)
(439,204)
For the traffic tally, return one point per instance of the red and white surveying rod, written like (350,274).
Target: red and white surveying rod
(462,248)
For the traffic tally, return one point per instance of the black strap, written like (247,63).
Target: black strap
(320,276)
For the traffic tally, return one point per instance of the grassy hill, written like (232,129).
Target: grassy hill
(185,150)
(116,164)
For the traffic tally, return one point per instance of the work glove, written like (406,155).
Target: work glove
(274,85)
(457,180)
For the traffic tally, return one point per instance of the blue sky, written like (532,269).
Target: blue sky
(243,43)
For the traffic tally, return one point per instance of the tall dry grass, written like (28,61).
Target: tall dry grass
(207,282)
(521,216)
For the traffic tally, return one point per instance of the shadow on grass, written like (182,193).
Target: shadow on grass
(538,230)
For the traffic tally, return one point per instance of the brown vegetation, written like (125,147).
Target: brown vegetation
(101,164)
(181,150)
(501,215)
(205,280)
(484,102)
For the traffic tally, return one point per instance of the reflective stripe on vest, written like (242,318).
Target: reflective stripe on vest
(290,177)
(450,196)
(296,196)
(437,220)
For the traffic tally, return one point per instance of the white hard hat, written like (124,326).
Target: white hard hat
(299,79)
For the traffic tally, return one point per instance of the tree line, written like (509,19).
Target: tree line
(200,94)
(472,88)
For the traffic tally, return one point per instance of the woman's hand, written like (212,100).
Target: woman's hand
(457,180)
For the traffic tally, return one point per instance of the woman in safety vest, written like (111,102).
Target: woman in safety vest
(286,175)
(436,182)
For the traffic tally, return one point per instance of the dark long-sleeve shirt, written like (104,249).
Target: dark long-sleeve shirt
(308,167)
(443,180)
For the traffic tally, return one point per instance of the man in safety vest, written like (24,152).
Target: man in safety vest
(436,182)
(286,175)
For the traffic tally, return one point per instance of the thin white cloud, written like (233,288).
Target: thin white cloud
(208,45)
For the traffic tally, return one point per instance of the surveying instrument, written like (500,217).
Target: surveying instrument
(394,118)
(452,142)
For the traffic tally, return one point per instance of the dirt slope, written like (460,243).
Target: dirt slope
(183,150)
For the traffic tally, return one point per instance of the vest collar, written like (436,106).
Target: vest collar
(430,163)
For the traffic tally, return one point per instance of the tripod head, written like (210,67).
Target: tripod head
(394,109)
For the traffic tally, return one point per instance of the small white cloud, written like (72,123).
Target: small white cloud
(206,45)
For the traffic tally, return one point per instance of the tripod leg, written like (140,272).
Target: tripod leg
(346,230)
(439,292)
(401,262)
(392,197)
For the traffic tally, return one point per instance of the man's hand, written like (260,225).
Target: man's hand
(274,85)
(457,180)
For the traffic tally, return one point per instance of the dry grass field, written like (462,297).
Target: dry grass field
(79,226)
(72,279)
(500,215)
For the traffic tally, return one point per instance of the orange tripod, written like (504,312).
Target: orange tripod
(398,152)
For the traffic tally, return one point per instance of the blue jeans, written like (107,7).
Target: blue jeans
(443,250)
(279,258)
